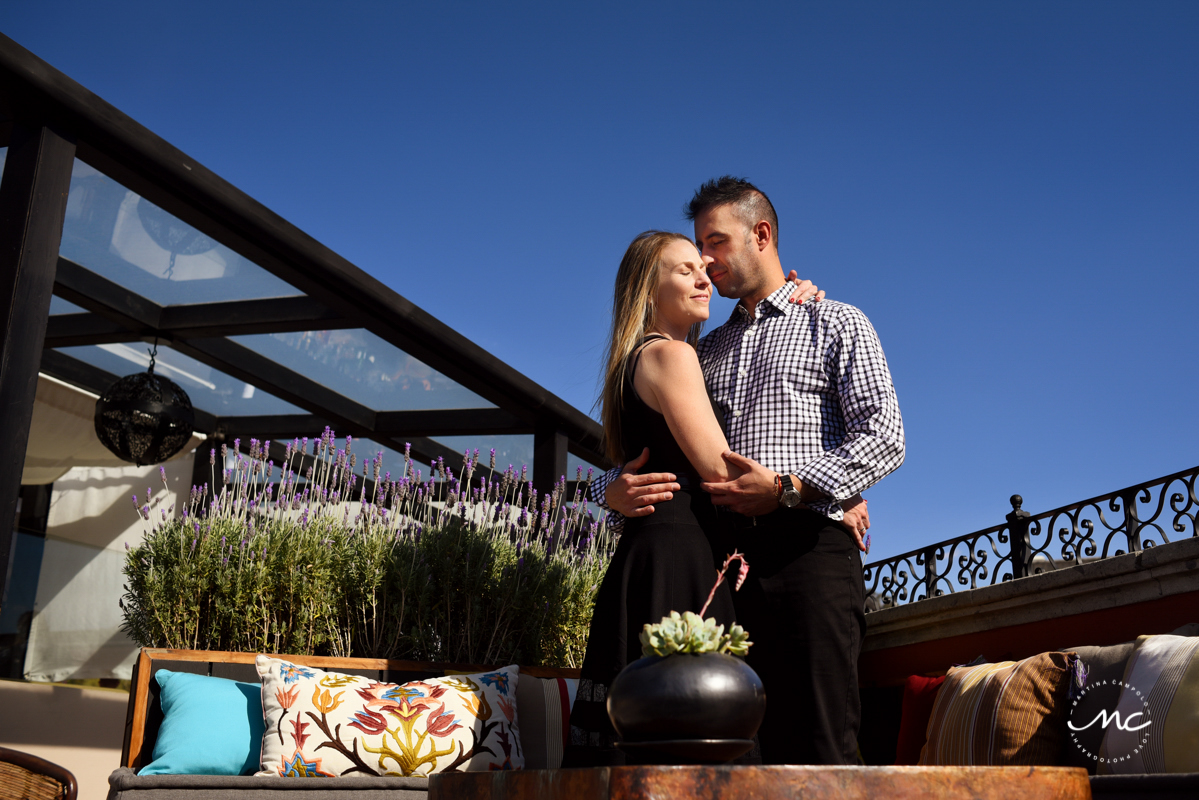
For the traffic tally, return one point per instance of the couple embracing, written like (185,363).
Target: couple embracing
(760,436)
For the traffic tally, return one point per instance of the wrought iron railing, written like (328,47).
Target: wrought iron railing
(1028,544)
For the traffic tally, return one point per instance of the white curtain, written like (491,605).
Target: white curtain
(75,631)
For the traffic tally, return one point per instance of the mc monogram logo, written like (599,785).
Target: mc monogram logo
(1105,721)
(1087,711)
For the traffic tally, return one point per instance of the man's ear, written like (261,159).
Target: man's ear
(763,234)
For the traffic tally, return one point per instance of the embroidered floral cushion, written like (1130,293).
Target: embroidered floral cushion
(327,724)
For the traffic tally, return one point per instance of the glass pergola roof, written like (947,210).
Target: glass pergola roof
(125,238)
(272,335)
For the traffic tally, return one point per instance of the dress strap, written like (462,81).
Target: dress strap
(637,351)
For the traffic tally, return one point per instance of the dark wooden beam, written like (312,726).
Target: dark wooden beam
(33,202)
(75,372)
(549,456)
(77,330)
(243,318)
(273,426)
(451,422)
(246,317)
(110,300)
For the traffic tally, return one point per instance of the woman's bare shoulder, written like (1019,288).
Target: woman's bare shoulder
(670,354)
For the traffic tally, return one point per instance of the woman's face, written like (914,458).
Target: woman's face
(684,289)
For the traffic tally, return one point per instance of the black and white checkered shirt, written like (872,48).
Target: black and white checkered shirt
(805,390)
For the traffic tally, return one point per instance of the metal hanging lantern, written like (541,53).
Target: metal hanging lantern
(145,418)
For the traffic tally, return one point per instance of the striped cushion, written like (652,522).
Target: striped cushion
(1006,714)
(1161,682)
(544,708)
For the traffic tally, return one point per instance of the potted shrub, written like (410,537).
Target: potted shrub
(690,698)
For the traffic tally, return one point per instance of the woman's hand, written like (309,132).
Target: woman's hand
(804,290)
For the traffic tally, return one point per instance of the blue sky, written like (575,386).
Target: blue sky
(1008,190)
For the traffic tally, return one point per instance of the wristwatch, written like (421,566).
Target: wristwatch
(787,489)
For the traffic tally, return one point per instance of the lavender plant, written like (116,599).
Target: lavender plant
(326,555)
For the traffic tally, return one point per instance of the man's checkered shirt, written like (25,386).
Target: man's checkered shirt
(805,390)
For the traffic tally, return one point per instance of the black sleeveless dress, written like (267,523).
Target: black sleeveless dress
(663,562)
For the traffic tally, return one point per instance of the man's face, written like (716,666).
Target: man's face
(724,242)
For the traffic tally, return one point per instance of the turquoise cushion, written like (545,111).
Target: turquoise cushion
(210,726)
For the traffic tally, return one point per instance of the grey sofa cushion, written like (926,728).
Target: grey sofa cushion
(124,784)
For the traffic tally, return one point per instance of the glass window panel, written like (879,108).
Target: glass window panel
(364,368)
(573,463)
(515,449)
(129,240)
(209,389)
(393,460)
(60,306)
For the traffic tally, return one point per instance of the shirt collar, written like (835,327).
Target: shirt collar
(777,300)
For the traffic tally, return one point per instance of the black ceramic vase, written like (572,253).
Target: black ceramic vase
(699,707)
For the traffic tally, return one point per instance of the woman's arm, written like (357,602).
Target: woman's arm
(669,380)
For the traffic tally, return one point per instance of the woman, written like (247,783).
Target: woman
(654,396)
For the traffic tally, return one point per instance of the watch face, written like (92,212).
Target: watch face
(791,498)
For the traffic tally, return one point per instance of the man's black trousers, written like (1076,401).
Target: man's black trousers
(802,605)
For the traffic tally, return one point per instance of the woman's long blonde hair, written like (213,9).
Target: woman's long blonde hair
(632,318)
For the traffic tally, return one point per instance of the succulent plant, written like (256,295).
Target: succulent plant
(691,633)
(688,633)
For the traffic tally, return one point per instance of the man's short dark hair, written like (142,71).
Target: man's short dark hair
(750,202)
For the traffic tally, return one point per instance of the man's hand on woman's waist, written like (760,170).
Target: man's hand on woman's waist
(634,495)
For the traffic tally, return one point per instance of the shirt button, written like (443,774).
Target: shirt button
(737,413)
(742,372)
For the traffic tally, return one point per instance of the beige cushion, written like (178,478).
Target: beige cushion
(1005,714)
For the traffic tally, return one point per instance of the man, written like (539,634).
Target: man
(813,420)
